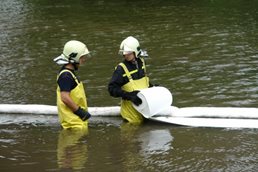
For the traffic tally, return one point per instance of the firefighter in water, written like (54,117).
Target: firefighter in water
(71,97)
(128,78)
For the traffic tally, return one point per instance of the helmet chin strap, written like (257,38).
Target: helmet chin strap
(71,66)
(75,65)
(73,62)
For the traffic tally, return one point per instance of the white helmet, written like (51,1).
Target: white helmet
(130,44)
(73,51)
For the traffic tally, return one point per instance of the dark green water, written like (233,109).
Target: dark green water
(204,52)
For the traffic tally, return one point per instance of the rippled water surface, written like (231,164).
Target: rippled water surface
(204,52)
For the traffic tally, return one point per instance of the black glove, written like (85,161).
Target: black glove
(133,97)
(153,85)
(83,114)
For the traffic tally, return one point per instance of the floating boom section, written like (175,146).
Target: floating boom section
(186,112)
(52,110)
(225,117)
(28,109)
(217,117)
(211,112)
(209,122)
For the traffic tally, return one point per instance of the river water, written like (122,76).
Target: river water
(203,51)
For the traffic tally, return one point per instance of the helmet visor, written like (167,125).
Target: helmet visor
(122,52)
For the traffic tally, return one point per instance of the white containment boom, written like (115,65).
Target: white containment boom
(52,110)
(225,117)
(222,117)
(156,105)
(210,112)
(209,122)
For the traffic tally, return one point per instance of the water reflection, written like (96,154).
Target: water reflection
(142,145)
(72,153)
(155,142)
(31,119)
(131,156)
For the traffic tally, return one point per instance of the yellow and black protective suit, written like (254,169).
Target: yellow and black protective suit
(66,116)
(128,77)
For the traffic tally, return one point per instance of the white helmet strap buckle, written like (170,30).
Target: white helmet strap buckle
(71,57)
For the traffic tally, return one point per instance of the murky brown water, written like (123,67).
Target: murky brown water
(205,52)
